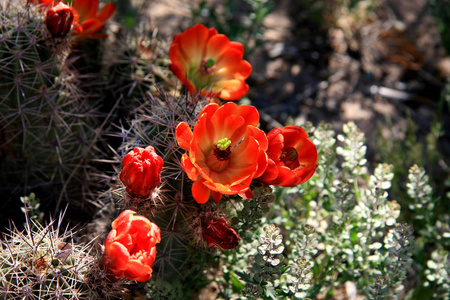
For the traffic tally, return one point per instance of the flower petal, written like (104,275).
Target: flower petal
(86,9)
(200,192)
(138,271)
(183,135)
(118,256)
(106,12)
(189,168)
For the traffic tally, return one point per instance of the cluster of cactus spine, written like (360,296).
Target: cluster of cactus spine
(48,121)
(45,262)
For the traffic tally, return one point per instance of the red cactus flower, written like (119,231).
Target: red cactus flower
(209,64)
(59,20)
(130,247)
(217,233)
(88,21)
(226,150)
(141,171)
(292,157)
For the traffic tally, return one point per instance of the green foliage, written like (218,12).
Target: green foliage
(404,152)
(31,207)
(441,11)
(340,226)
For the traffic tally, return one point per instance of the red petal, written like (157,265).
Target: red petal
(216,196)
(118,256)
(200,192)
(137,271)
(106,12)
(86,9)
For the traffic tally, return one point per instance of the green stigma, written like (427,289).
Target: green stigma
(223,144)
(209,63)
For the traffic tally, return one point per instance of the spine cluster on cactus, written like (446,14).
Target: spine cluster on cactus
(45,262)
(48,122)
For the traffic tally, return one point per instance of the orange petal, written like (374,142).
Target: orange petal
(193,41)
(184,135)
(262,163)
(86,9)
(200,192)
(91,26)
(178,58)
(189,168)
(232,89)
(217,45)
(106,12)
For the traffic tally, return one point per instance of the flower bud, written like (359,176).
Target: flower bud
(130,247)
(141,171)
(217,233)
(59,20)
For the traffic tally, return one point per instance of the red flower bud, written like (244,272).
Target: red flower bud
(141,171)
(217,233)
(130,248)
(59,20)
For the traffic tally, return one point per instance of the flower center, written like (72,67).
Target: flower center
(222,150)
(289,157)
(207,67)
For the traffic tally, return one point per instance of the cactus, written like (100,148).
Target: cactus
(45,262)
(48,121)
(137,62)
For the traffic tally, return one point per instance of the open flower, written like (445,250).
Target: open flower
(88,21)
(209,64)
(292,157)
(217,233)
(141,171)
(59,20)
(226,150)
(130,247)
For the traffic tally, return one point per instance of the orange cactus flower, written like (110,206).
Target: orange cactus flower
(88,21)
(130,247)
(209,64)
(217,233)
(59,20)
(226,150)
(141,171)
(292,157)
